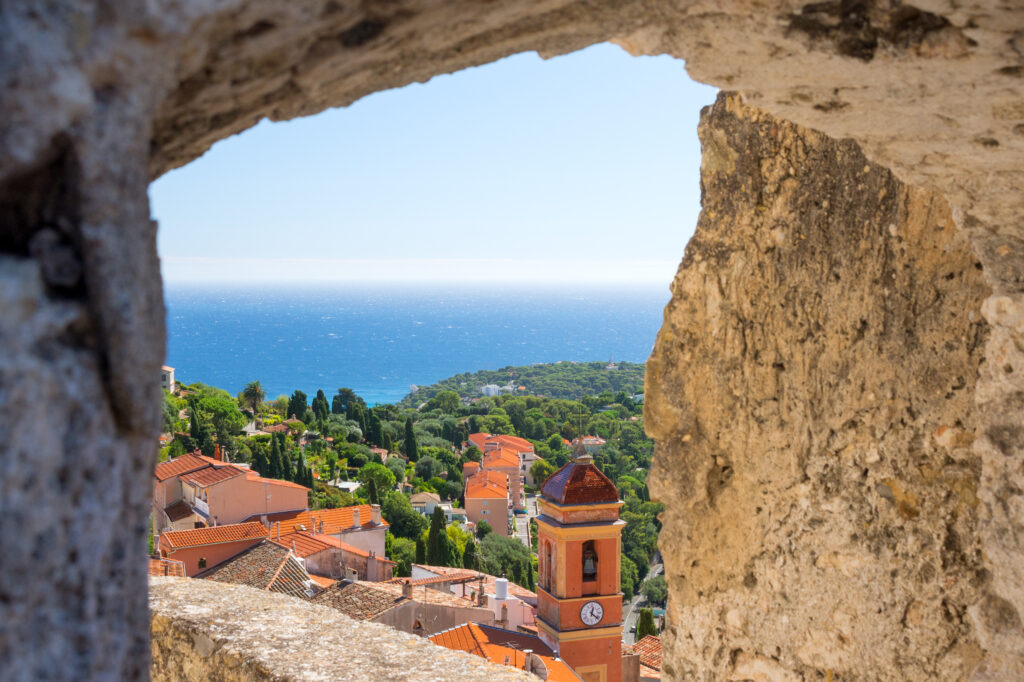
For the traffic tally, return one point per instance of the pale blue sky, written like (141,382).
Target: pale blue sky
(580,168)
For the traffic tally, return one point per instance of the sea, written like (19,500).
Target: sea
(382,340)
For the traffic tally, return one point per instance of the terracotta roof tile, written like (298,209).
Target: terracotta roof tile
(649,649)
(489,582)
(254,476)
(166,567)
(484,486)
(307,544)
(501,457)
(504,647)
(358,600)
(266,566)
(478,439)
(178,466)
(514,443)
(212,474)
(178,511)
(176,539)
(580,483)
(322,580)
(423,594)
(334,520)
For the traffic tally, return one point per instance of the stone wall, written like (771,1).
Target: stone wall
(812,396)
(208,631)
(99,98)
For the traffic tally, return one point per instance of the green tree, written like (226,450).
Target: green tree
(396,466)
(439,549)
(259,459)
(483,529)
(628,577)
(287,470)
(428,467)
(645,625)
(177,449)
(421,550)
(655,589)
(371,492)
(253,395)
(405,521)
(275,467)
(540,470)
(320,407)
(378,473)
(499,555)
(403,552)
(469,558)
(472,454)
(410,441)
(297,405)
(447,401)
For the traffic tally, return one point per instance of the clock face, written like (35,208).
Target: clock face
(592,613)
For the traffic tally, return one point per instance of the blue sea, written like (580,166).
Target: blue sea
(379,341)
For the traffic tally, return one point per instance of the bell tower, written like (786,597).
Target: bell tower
(579,604)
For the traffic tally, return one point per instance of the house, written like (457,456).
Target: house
(193,490)
(506,647)
(592,444)
(649,650)
(512,454)
(203,548)
(514,607)
(265,566)
(403,606)
(327,556)
(167,379)
(382,453)
(166,567)
(424,502)
(360,526)
(487,499)
(507,461)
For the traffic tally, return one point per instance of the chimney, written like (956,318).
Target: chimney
(278,524)
(407,589)
(216,453)
(501,588)
(375,513)
(355,517)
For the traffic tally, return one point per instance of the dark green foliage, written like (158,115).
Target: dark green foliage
(371,492)
(645,625)
(405,521)
(531,584)
(483,529)
(655,589)
(439,550)
(287,470)
(177,449)
(469,558)
(320,407)
(410,441)
(517,573)
(421,551)
(275,467)
(403,552)
(259,459)
(253,395)
(500,555)
(297,405)
(628,577)
(428,467)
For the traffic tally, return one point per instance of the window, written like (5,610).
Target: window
(202,562)
(589,561)
(485,512)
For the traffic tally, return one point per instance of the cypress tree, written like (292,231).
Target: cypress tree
(421,551)
(287,470)
(371,491)
(517,573)
(469,558)
(437,540)
(530,584)
(410,441)
(259,459)
(645,625)
(274,465)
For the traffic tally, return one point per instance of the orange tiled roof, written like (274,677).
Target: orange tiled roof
(504,647)
(265,566)
(166,567)
(178,466)
(361,601)
(501,457)
(470,468)
(478,439)
(253,476)
(483,487)
(178,511)
(514,443)
(236,532)
(211,475)
(649,649)
(334,520)
(489,582)
(308,544)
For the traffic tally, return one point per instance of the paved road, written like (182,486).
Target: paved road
(631,613)
(523,529)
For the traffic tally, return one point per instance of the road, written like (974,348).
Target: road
(631,613)
(523,520)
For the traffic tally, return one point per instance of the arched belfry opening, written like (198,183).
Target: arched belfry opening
(835,392)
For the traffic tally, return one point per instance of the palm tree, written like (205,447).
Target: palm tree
(253,395)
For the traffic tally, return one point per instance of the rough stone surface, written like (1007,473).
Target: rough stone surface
(812,396)
(204,630)
(99,98)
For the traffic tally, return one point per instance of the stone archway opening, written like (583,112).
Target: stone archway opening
(102,101)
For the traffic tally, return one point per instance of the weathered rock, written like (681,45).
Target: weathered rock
(204,630)
(99,98)
(812,397)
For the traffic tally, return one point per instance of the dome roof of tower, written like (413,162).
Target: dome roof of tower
(580,482)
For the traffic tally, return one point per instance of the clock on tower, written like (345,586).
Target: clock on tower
(579,605)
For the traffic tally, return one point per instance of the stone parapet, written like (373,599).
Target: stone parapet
(204,630)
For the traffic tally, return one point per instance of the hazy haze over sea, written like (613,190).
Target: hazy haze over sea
(380,340)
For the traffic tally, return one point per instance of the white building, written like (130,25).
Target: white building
(167,378)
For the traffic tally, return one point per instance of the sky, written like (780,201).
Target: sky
(583,168)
